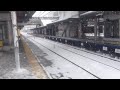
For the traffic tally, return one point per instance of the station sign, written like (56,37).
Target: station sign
(82,44)
(65,41)
(117,50)
(105,48)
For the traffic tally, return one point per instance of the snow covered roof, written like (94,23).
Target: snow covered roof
(64,20)
(90,14)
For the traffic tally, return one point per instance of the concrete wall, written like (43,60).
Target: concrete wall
(7,18)
(65,29)
(61,29)
(114,17)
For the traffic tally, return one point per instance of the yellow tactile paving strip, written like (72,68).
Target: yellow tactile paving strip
(1,43)
(36,68)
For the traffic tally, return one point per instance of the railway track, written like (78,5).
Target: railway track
(87,51)
(77,48)
(87,57)
(67,59)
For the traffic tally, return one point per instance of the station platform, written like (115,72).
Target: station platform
(63,61)
(27,70)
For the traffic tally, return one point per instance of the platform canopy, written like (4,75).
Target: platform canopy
(23,17)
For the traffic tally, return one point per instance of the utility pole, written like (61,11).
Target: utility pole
(16,40)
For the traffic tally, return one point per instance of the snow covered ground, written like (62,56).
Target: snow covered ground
(8,67)
(61,67)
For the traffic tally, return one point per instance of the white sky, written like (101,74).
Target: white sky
(39,14)
(42,14)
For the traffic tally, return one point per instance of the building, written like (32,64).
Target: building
(6,27)
(6,32)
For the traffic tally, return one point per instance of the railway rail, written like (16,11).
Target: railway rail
(67,60)
(86,56)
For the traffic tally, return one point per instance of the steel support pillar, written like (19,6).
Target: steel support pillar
(80,30)
(16,42)
(95,29)
(119,28)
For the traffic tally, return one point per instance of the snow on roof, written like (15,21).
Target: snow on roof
(89,12)
(62,20)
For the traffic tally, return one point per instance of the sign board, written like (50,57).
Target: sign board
(82,44)
(117,50)
(66,41)
(105,48)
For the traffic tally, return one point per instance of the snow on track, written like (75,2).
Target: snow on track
(62,68)
(111,63)
(96,68)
